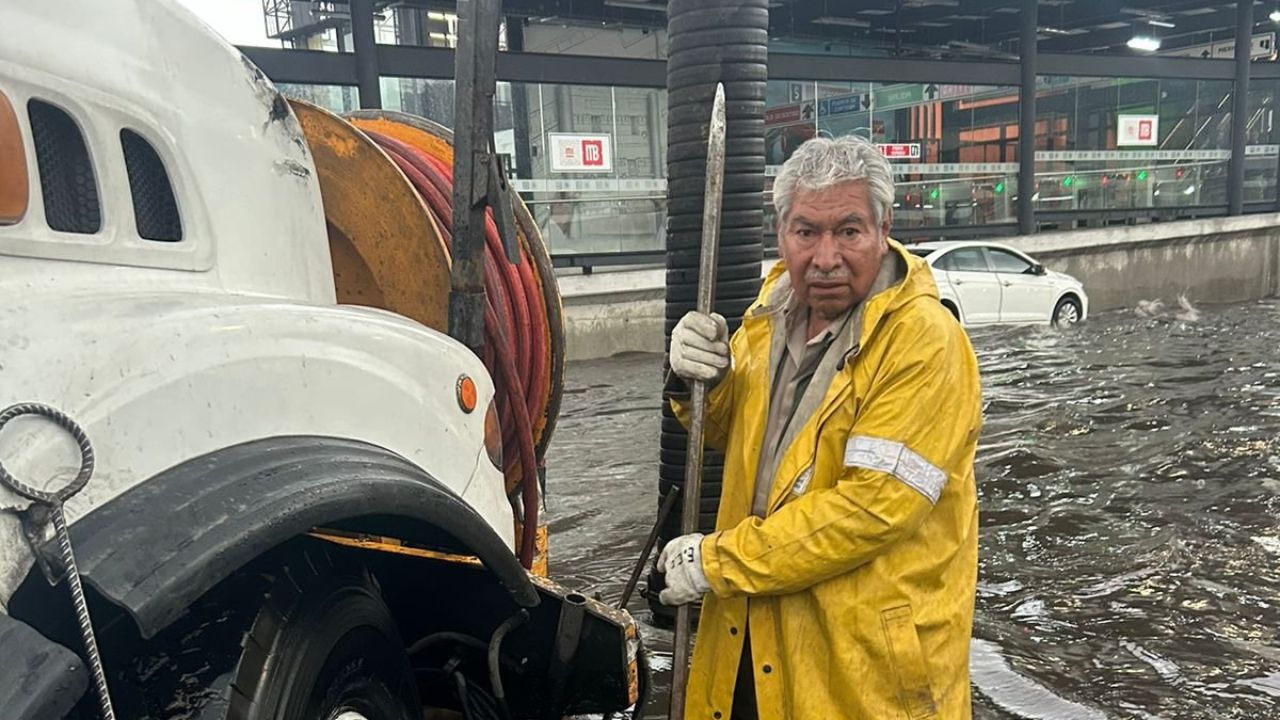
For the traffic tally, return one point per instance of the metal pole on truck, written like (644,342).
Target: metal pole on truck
(706,303)
(479,181)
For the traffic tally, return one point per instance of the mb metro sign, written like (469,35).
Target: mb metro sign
(581,153)
(1138,130)
(900,151)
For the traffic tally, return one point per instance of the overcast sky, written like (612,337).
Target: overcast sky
(239,21)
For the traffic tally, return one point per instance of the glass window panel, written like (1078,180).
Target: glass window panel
(618,208)
(431,99)
(954,146)
(1086,162)
(964,260)
(1262,136)
(334,98)
(1007,262)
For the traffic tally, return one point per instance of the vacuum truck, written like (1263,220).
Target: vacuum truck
(247,473)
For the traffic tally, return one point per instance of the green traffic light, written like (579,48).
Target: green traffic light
(999,188)
(1142,175)
(1068,181)
(933,194)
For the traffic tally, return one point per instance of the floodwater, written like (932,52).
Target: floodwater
(1129,490)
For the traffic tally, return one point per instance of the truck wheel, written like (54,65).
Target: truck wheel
(323,647)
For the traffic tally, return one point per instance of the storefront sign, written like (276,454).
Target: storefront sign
(581,153)
(900,151)
(789,114)
(1138,130)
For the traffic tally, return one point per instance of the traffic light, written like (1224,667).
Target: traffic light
(933,194)
(1068,181)
(1142,175)
(999,188)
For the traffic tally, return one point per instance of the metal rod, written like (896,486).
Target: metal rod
(1027,120)
(568,635)
(667,503)
(478,22)
(366,52)
(1240,107)
(82,612)
(713,199)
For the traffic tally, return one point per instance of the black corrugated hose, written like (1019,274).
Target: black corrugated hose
(710,41)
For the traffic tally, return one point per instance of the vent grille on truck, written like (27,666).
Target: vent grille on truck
(67,182)
(154,206)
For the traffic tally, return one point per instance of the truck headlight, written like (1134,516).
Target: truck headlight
(493,435)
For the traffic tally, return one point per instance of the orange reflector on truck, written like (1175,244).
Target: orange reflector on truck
(13,167)
(467,394)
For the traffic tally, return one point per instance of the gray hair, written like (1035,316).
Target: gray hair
(821,163)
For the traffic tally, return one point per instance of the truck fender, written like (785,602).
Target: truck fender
(155,549)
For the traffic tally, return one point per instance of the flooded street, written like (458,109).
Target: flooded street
(1129,489)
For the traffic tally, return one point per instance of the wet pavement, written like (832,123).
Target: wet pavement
(1129,489)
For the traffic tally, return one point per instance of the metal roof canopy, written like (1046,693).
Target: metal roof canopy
(927,37)
(936,28)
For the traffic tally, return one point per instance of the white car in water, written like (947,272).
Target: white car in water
(985,283)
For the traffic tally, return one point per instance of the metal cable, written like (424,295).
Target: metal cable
(495,651)
(55,501)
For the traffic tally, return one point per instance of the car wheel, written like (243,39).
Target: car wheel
(1067,312)
(323,647)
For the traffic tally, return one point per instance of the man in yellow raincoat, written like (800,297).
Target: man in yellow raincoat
(840,580)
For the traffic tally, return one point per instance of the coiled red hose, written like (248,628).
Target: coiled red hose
(516,331)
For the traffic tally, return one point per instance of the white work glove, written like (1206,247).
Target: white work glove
(700,348)
(681,562)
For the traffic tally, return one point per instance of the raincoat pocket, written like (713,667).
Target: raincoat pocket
(908,663)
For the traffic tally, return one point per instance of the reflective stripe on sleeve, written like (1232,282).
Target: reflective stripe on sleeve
(899,461)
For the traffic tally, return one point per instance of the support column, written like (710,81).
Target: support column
(1240,108)
(366,51)
(1030,17)
(520,103)
(653,126)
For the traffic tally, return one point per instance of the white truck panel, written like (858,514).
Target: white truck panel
(240,167)
(157,378)
(168,350)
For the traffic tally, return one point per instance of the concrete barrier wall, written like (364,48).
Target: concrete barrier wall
(613,312)
(1219,260)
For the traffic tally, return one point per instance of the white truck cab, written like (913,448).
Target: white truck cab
(165,280)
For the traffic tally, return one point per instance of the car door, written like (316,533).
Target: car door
(1025,297)
(972,281)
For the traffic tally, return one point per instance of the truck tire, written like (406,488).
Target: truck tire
(324,646)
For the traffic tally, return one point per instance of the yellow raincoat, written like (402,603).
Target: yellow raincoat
(859,582)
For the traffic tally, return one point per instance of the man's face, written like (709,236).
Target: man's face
(833,247)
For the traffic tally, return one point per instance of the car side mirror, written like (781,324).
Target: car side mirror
(1038,269)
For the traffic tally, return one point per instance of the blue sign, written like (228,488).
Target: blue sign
(839,105)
